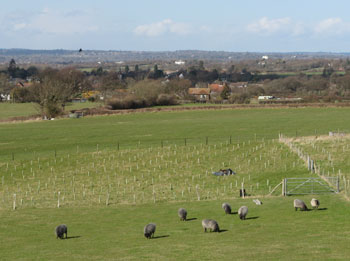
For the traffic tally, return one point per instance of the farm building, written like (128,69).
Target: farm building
(216,88)
(200,94)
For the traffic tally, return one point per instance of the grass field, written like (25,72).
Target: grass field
(273,231)
(111,175)
(10,110)
(149,129)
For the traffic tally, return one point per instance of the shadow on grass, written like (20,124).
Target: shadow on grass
(251,218)
(190,219)
(234,213)
(320,209)
(223,230)
(160,236)
(73,237)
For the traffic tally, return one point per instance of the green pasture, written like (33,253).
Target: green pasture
(28,140)
(106,177)
(10,110)
(272,231)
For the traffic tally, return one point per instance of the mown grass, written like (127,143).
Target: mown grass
(273,231)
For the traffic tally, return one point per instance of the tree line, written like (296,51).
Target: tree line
(134,87)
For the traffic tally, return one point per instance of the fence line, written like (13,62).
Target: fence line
(310,163)
(136,144)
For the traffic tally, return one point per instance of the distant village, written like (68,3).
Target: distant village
(125,85)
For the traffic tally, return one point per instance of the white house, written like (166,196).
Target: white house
(5,97)
(179,62)
(261,98)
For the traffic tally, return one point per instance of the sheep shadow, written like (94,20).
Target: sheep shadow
(190,219)
(317,209)
(223,230)
(73,237)
(234,213)
(160,237)
(251,218)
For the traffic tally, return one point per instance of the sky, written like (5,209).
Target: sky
(169,25)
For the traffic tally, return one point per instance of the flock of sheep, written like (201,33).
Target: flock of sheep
(207,224)
(213,226)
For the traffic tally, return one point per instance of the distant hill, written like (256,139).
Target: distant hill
(60,56)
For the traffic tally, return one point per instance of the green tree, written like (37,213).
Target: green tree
(201,65)
(225,92)
(12,69)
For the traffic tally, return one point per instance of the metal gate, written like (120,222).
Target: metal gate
(305,186)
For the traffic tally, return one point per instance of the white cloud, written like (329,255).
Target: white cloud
(332,26)
(165,26)
(266,25)
(19,26)
(50,21)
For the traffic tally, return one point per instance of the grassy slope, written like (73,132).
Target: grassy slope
(274,232)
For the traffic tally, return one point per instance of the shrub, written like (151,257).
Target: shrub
(166,99)
(128,102)
(239,98)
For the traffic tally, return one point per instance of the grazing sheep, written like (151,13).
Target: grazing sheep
(299,204)
(257,201)
(315,203)
(60,231)
(242,212)
(182,214)
(227,208)
(149,230)
(210,224)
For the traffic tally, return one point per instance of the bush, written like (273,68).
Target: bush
(135,102)
(128,102)
(20,94)
(239,98)
(166,99)
(51,109)
(92,99)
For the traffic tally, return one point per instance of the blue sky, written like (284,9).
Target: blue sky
(155,25)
